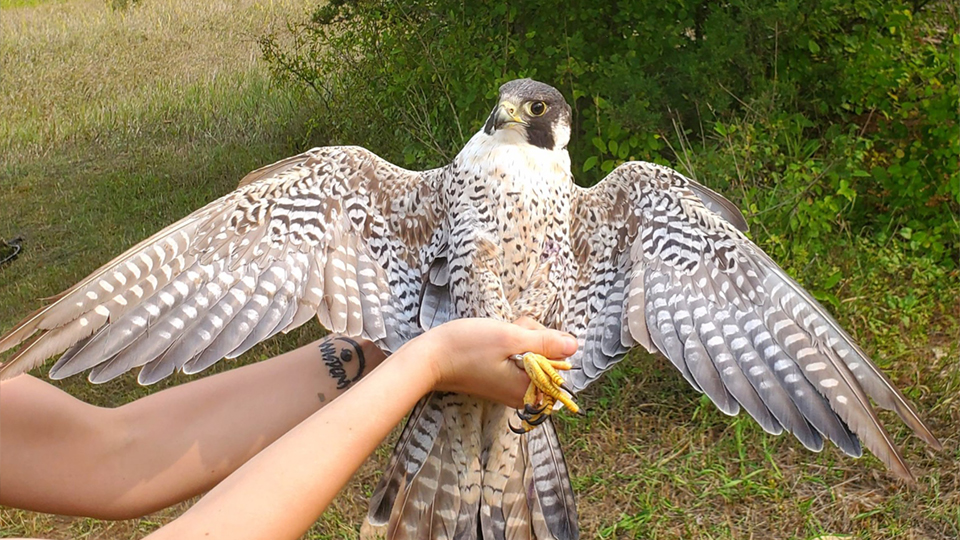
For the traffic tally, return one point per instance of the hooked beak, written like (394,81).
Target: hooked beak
(507,114)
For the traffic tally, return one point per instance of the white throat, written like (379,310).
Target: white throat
(508,153)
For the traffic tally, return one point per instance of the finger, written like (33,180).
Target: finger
(549,343)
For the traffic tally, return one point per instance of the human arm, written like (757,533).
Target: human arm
(280,492)
(63,456)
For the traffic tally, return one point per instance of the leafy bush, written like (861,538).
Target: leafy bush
(817,117)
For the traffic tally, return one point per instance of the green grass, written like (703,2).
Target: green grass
(12,4)
(116,123)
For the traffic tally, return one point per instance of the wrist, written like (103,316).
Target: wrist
(422,358)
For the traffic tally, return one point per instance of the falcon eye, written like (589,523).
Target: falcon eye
(537,108)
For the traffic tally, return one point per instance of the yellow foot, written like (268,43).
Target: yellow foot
(545,390)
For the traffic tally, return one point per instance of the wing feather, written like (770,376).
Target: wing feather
(312,296)
(132,325)
(730,320)
(271,321)
(693,352)
(335,232)
(708,325)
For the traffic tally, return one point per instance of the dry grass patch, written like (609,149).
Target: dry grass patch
(79,69)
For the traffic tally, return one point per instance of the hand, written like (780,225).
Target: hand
(470,355)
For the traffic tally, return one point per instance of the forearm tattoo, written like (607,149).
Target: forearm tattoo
(341,365)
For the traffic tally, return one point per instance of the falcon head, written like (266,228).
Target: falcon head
(536,110)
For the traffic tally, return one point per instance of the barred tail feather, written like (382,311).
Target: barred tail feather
(415,443)
(458,472)
(551,482)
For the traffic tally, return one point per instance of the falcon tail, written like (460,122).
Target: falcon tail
(457,472)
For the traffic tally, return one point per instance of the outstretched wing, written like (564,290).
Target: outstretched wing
(336,233)
(662,265)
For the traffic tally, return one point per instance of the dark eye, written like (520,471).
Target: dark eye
(537,108)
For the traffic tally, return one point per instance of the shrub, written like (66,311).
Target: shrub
(817,117)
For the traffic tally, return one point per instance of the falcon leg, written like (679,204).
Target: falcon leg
(546,388)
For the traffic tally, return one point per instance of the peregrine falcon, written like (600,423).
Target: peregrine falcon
(646,257)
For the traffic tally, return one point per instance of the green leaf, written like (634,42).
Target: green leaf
(845,191)
(589,163)
(601,146)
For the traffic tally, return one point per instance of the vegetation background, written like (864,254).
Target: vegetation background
(833,124)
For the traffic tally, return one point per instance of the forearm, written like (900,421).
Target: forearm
(281,491)
(226,419)
(169,446)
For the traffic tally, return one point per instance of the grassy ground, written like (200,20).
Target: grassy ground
(116,123)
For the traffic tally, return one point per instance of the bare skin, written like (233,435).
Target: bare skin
(283,489)
(59,455)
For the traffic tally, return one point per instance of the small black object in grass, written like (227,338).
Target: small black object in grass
(10,250)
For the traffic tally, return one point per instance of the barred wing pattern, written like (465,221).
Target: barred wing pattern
(335,232)
(662,265)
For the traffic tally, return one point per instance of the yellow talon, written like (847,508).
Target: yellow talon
(568,403)
(560,364)
(549,371)
(546,388)
(544,377)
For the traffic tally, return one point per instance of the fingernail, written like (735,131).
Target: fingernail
(569,345)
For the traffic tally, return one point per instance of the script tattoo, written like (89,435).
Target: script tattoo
(336,364)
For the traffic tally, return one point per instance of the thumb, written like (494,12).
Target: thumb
(551,343)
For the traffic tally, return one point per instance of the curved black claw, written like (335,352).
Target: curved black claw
(524,415)
(530,409)
(538,420)
(518,431)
